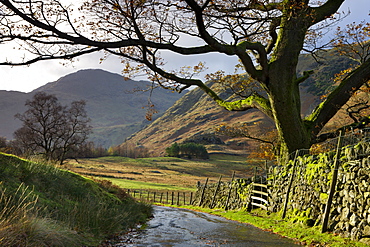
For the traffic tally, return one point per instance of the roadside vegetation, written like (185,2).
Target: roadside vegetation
(41,205)
(301,234)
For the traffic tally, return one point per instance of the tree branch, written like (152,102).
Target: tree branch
(254,101)
(326,10)
(79,39)
(338,97)
(50,57)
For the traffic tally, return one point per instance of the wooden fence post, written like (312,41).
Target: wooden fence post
(229,194)
(202,195)
(216,191)
(267,170)
(172,194)
(333,185)
(191,198)
(290,185)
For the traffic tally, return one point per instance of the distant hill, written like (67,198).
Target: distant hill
(11,102)
(116,106)
(195,115)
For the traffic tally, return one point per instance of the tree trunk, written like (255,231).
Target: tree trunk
(291,129)
(283,87)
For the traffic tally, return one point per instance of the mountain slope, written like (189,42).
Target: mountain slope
(195,114)
(116,106)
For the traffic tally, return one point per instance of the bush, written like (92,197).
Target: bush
(188,150)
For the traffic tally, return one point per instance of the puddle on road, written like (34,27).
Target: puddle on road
(174,227)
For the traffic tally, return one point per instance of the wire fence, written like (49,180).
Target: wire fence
(164,197)
(350,138)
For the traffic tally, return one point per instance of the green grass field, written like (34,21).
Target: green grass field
(130,184)
(164,172)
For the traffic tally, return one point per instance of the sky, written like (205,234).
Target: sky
(28,78)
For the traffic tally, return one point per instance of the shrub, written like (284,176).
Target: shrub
(173,150)
(188,150)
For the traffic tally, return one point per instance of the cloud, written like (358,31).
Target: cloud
(28,78)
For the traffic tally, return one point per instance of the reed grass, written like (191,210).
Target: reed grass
(20,224)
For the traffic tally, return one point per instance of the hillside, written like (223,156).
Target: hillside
(196,115)
(116,107)
(45,206)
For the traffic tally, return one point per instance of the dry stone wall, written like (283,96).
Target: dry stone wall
(350,210)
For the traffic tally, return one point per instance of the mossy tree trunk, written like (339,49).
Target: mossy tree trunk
(282,84)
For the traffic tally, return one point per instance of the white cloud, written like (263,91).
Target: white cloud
(28,78)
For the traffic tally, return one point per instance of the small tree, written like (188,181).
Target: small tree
(52,129)
(173,150)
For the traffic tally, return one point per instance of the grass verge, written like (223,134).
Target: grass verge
(308,236)
(41,205)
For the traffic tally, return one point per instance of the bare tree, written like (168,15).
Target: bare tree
(267,36)
(52,129)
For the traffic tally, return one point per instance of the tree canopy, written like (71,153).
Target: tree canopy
(188,149)
(267,36)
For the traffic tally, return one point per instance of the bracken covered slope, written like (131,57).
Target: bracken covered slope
(196,114)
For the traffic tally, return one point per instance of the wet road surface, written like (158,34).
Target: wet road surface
(185,228)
